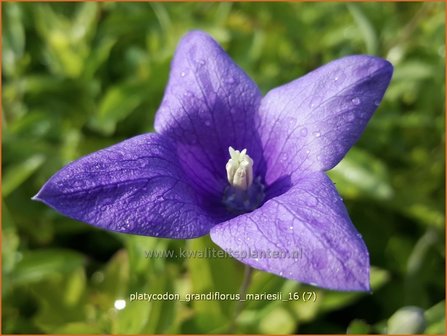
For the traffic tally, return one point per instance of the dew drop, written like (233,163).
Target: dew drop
(182,74)
(355,101)
(339,77)
(208,123)
(349,116)
(78,184)
(201,62)
(290,121)
(291,227)
(317,134)
(231,80)
(281,273)
(311,201)
(377,102)
(315,102)
(303,131)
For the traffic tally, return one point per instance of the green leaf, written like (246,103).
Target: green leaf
(360,174)
(358,327)
(61,299)
(37,265)
(118,103)
(208,275)
(435,317)
(13,39)
(17,174)
(79,328)
(365,27)
(10,241)
(277,321)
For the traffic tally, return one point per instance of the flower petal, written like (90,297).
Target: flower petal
(309,227)
(136,186)
(311,123)
(209,105)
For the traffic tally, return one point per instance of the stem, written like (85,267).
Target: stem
(248,272)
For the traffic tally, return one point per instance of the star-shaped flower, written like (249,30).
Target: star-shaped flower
(249,170)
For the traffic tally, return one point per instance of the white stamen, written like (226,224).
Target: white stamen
(239,169)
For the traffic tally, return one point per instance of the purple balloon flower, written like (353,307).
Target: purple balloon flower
(249,170)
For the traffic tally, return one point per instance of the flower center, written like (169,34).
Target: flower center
(244,193)
(239,169)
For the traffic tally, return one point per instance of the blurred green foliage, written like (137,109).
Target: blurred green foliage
(78,77)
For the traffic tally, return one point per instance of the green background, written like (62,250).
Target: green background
(78,77)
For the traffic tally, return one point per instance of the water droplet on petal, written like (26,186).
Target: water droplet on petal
(317,134)
(281,273)
(311,201)
(349,116)
(201,62)
(303,131)
(284,156)
(339,77)
(182,74)
(78,184)
(290,121)
(377,102)
(231,80)
(291,227)
(355,101)
(315,101)
(208,123)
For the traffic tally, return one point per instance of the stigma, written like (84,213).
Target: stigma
(239,169)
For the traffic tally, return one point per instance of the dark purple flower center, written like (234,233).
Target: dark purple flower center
(241,201)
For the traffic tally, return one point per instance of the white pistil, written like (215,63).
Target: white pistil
(239,169)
